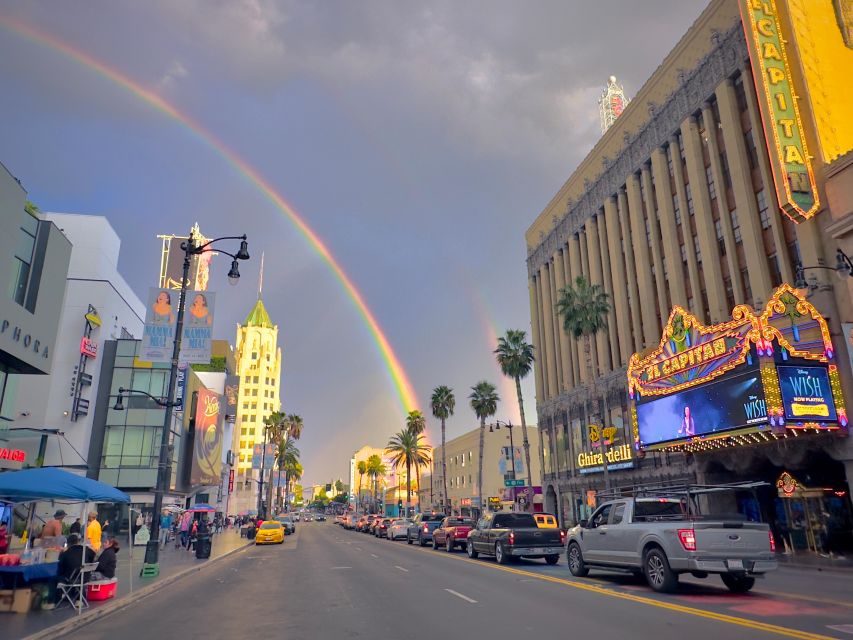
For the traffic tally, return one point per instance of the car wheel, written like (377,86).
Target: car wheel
(448,544)
(737,584)
(552,559)
(472,552)
(408,539)
(577,566)
(421,540)
(659,575)
(434,544)
(501,555)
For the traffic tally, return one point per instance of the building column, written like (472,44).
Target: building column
(584,245)
(642,263)
(618,286)
(714,288)
(654,243)
(558,360)
(574,264)
(723,205)
(565,352)
(536,339)
(597,277)
(606,272)
(631,272)
(747,209)
(686,232)
(666,213)
(548,315)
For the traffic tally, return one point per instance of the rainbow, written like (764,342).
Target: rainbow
(399,378)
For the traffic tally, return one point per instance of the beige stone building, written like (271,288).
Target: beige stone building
(712,188)
(462,469)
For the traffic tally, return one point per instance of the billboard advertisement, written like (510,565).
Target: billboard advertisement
(207,445)
(703,410)
(158,335)
(806,394)
(198,326)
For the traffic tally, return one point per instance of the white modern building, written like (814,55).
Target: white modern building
(98,306)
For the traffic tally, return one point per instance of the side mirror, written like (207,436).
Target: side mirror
(583,524)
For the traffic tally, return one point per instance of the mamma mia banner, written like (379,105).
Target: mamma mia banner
(161,315)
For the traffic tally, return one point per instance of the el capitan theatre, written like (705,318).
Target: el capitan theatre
(755,398)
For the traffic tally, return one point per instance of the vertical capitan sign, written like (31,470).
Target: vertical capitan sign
(793,175)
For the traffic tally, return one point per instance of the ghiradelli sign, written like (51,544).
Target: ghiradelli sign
(620,457)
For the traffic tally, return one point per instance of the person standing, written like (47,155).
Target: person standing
(165,527)
(53,527)
(185,528)
(76,527)
(93,532)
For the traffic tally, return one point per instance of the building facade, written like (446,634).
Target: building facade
(258,361)
(463,495)
(727,175)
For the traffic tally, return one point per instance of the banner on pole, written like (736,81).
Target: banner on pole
(198,327)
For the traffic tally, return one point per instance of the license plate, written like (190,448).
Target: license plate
(736,564)
(535,551)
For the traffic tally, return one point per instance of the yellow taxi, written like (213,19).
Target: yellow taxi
(545,521)
(270,532)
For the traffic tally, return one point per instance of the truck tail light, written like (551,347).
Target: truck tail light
(562,537)
(512,537)
(772,541)
(688,539)
(426,528)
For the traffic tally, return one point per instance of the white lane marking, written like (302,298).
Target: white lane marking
(843,628)
(374,555)
(334,568)
(396,566)
(358,549)
(459,595)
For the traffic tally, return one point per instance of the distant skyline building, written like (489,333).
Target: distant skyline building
(259,368)
(612,103)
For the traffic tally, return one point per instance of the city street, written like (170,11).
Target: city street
(326,582)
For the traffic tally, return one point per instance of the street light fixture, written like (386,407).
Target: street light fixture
(843,269)
(119,406)
(164,471)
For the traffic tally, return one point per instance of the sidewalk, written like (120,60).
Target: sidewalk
(815,562)
(172,562)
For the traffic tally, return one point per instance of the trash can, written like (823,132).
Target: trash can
(250,533)
(203,546)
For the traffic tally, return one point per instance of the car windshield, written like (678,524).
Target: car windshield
(433,517)
(517,520)
(658,510)
(271,525)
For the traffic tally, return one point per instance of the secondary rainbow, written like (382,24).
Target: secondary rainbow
(399,378)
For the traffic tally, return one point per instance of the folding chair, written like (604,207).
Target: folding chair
(69,591)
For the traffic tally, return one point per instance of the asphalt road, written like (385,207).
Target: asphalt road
(325,582)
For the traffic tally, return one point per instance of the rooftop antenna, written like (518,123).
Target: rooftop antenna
(261,277)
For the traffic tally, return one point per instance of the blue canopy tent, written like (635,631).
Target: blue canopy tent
(55,484)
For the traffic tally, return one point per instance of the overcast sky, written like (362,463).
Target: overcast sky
(419,140)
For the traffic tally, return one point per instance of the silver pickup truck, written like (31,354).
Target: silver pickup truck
(662,537)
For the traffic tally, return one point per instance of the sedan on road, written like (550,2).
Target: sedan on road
(380,528)
(271,532)
(452,533)
(398,529)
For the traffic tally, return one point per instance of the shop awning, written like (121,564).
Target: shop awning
(55,484)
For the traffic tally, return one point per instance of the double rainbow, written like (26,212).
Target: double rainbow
(399,378)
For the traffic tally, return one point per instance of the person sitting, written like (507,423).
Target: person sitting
(107,561)
(73,558)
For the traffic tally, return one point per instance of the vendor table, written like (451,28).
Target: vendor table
(30,572)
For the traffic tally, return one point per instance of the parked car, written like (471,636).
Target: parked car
(380,528)
(545,521)
(359,524)
(662,537)
(350,521)
(452,533)
(421,528)
(512,535)
(287,522)
(271,532)
(320,517)
(367,527)
(398,529)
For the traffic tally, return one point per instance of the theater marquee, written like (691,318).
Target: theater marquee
(753,378)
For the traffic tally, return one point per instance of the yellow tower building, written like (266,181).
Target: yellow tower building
(259,367)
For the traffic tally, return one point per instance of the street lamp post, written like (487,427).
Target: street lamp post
(843,269)
(508,425)
(151,565)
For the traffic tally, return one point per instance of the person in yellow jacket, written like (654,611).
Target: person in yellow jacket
(93,532)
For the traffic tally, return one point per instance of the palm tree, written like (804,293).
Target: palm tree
(292,473)
(287,456)
(584,308)
(375,469)
(405,449)
(281,429)
(515,358)
(416,424)
(484,401)
(443,404)
(361,467)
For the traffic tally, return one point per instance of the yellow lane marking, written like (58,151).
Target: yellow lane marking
(720,617)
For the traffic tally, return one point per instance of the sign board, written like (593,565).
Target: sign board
(793,174)
(180,387)
(259,460)
(198,327)
(207,444)
(621,457)
(513,483)
(88,347)
(158,335)
(231,481)
(12,458)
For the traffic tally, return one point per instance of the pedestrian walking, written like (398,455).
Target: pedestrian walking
(185,528)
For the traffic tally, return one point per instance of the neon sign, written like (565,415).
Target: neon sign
(793,175)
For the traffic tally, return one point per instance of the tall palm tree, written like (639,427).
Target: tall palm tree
(292,473)
(515,358)
(361,467)
(281,428)
(584,308)
(484,401)
(406,449)
(376,469)
(287,456)
(416,423)
(443,403)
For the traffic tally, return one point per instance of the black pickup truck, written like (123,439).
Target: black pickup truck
(512,535)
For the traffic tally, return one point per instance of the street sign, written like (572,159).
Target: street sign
(513,483)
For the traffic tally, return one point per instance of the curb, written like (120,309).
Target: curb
(842,570)
(63,628)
